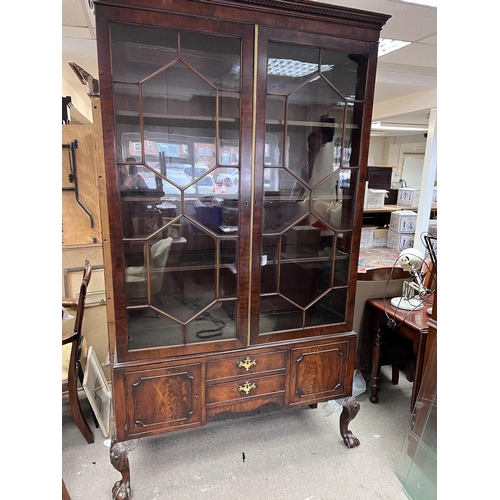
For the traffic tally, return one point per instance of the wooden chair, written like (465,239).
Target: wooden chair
(75,370)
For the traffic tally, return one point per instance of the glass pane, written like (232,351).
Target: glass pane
(145,270)
(328,201)
(178,117)
(275,127)
(301,242)
(207,211)
(218,323)
(229,268)
(348,181)
(127,121)
(312,125)
(299,281)
(148,201)
(146,328)
(216,58)
(285,201)
(330,309)
(229,129)
(289,67)
(342,256)
(139,51)
(269,264)
(278,314)
(227,182)
(314,98)
(343,73)
(173,123)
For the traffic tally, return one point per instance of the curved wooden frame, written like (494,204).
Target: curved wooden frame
(75,337)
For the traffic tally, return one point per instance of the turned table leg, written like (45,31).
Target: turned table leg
(349,411)
(119,460)
(376,353)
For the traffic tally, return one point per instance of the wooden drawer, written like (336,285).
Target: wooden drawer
(245,388)
(245,364)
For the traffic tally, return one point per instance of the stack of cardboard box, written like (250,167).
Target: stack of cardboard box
(409,197)
(402,229)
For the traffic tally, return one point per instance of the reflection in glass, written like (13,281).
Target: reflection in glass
(343,75)
(328,200)
(146,329)
(289,67)
(178,177)
(275,130)
(308,208)
(140,51)
(217,323)
(216,58)
(342,256)
(167,111)
(229,128)
(329,309)
(312,127)
(299,282)
(269,264)
(277,314)
(285,202)
(229,268)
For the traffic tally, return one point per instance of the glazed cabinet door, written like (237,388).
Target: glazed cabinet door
(177,96)
(312,92)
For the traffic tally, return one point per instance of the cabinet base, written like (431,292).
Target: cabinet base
(119,450)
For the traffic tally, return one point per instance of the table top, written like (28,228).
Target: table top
(417,320)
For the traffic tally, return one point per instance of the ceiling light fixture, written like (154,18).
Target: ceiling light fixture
(399,126)
(429,3)
(290,67)
(386,45)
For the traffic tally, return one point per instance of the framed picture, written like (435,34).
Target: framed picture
(96,294)
(97,390)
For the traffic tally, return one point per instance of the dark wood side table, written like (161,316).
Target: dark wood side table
(410,324)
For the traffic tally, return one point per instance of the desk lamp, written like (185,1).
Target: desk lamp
(411,260)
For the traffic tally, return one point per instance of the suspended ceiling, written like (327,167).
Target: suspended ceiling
(406,83)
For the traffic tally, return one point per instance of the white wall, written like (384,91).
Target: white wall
(391,150)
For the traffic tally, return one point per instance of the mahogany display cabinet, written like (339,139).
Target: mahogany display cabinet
(225,296)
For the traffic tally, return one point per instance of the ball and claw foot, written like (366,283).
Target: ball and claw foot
(350,410)
(121,491)
(119,460)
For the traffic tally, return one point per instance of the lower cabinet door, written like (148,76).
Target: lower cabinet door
(320,373)
(160,399)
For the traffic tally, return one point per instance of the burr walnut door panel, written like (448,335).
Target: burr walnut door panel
(319,373)
(164,398)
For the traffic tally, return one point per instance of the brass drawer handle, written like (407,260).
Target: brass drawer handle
(247,387)
(247,364)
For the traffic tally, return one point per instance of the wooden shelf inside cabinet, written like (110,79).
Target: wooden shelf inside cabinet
(392,208)
(200,122)
(305,123)
(127,116)
(387,208)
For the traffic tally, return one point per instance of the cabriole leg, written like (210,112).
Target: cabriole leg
(119,460)
(349,411)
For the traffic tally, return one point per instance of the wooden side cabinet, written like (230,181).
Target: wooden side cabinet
(236,139)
